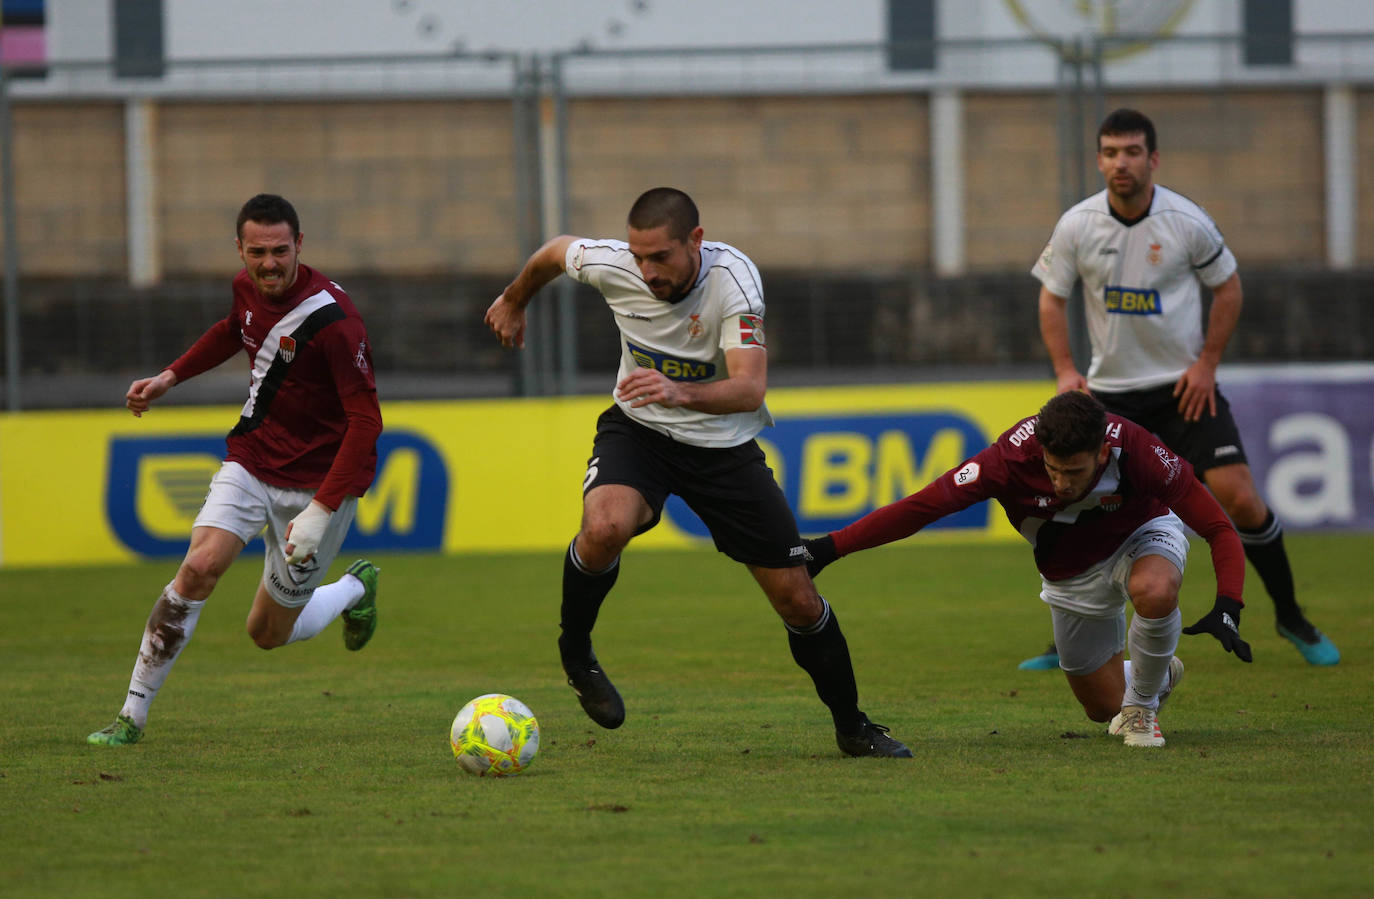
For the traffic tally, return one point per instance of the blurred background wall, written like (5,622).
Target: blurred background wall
(893,171)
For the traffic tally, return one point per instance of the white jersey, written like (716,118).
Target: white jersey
(686,340)
(1140,284)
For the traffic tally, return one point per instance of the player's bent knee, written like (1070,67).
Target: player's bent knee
(1100,714)
(198,575)
(798,609)
(265,638)
(605,538)
(1156,603)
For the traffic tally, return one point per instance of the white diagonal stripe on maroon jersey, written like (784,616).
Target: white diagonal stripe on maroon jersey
(292,320)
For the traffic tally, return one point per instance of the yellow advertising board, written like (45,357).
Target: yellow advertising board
(481,475)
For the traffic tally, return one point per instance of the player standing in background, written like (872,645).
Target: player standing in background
(1143,252)
(689,400)
(1093,495)
(303,451)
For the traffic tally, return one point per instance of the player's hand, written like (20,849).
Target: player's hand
(506,318)
(649,385)
(304,531)
(1196,391)
(820,552)
(1072,380)
(1223,622)
(142,392)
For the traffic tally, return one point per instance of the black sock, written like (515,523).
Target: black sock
(1264,549)
(822,652)
(583,592)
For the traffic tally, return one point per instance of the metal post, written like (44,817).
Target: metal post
(140,173)
(529,202)
(11,261)
(558,219)
(1073,162)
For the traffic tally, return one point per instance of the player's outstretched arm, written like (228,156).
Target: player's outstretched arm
(142,392)
(506,316)
(1201,512)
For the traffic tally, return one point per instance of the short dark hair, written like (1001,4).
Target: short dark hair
(661,206)
(268,209)
(1128,121)
(1072,423)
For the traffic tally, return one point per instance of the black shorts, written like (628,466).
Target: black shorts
(1207,443)
(731,489)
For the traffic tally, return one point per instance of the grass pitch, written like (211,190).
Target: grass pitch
(310,771)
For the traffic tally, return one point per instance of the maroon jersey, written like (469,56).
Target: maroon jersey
(312,418)
(1142,479)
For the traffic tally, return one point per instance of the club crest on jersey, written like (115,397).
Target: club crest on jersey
(1170,462)
(1153,257)
(751,330)
(287,351)
(694,328)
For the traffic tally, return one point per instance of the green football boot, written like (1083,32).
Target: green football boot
(121,733)
(360,622)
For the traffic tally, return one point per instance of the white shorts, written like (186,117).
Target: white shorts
(1089,610)
(243,505)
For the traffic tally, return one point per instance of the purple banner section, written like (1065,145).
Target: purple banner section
(1308,433)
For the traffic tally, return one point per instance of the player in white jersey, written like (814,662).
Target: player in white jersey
(1143,253)
(688,403)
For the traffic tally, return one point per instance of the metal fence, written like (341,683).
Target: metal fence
(893,211)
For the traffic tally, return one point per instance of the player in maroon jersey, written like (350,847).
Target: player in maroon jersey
(1096,497)
(303,451)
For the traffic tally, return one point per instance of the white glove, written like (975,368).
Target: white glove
(304,532)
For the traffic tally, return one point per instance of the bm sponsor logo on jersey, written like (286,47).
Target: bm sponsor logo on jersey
(834,470)
(156,486)
(1133,301)
(672,367)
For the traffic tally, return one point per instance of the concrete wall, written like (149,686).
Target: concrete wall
(836,183)
(69,188)
(823,182)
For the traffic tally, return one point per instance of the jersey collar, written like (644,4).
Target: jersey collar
(1138,219)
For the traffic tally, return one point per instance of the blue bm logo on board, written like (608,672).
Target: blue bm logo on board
(835,470)
(156,485)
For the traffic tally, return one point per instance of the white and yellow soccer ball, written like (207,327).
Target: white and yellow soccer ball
(494,735)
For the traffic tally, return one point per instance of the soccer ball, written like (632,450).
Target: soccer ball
(494,734)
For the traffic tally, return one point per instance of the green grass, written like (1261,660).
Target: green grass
(309,771)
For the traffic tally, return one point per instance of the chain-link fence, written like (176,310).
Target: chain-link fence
(894,212)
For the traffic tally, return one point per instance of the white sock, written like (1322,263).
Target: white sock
(1153,642)
(326,604)
(166,634)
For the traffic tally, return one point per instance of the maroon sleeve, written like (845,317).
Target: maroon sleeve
(216,345)
(952,491)
(1201,512)
(350,363)
(355,453)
